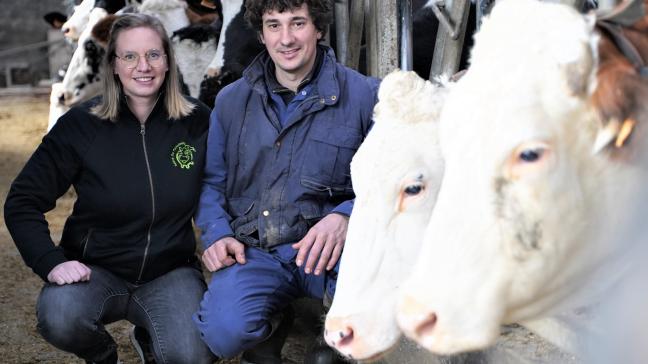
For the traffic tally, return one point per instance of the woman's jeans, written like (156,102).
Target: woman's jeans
(72,317)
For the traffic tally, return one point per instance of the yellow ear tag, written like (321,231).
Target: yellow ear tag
(624,133)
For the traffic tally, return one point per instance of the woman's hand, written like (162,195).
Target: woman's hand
(69,272)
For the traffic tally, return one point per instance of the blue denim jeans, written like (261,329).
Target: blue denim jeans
(72,317)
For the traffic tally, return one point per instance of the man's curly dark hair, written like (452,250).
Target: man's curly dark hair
(320,11)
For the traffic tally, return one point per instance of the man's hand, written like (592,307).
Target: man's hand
(323,243)
(69,272)
(223,253)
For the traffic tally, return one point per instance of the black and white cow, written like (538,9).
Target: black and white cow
(77,22)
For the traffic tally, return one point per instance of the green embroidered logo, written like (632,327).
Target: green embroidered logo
(182,155)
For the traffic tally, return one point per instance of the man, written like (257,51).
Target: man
(277,191)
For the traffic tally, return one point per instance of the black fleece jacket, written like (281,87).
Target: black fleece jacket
(137,188)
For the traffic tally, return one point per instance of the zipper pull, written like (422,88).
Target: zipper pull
(330,191)
(142,129)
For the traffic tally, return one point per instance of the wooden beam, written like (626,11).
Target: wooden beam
(356,28)
(342,30)
(453,19)
(382,28)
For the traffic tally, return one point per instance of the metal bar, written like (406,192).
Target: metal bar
(29,47)
(406,47)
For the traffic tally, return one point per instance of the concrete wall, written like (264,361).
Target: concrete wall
(22,24)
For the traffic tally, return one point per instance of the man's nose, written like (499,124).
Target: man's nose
(287,36)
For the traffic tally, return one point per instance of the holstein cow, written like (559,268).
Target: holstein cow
(78,21)
(171,13)
(195,45)
(532,188)
(82,77)
(396,175)
(233,11)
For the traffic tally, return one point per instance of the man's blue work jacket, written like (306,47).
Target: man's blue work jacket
(273,170)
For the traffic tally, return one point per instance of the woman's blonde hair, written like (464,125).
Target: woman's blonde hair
(176,104)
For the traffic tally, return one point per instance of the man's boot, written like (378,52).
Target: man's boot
(321,353)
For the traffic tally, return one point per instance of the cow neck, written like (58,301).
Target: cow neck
(139,110)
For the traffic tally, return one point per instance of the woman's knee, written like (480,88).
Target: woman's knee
(60,321)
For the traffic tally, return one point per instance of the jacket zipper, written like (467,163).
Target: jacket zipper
(85,243)
(150,178)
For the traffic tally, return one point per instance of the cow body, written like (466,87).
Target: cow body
(195,45)
(521,230)
(170,12)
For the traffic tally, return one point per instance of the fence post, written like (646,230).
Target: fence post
(382,28)
(356,28)
(342,30)
(447,51)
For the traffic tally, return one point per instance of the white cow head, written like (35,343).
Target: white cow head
(78,21)
(81,81)
(396,176)
(516,227)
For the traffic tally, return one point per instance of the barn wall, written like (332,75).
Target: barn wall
(22,24)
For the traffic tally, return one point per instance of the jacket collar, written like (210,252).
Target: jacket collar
(325,82)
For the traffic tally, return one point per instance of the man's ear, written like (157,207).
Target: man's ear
(319,35)
(260,36)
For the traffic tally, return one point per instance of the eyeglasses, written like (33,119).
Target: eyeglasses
(153,57)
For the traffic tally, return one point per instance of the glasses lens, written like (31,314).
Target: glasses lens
(154,58)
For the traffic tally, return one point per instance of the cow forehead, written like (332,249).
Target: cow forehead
(392,152)
(516,89)
(476,126)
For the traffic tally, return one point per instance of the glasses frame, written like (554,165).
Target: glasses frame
(132,65)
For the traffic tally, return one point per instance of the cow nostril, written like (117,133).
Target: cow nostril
(61,98)
(345,337)
(65,30)
(426,326)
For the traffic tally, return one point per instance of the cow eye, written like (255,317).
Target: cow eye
(531,155)
(413,190)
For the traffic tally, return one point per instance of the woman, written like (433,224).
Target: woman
(135,160)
